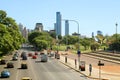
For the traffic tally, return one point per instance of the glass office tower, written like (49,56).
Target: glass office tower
(66,27)
(58,23)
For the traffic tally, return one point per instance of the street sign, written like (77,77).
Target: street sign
(100,64)
(79,53)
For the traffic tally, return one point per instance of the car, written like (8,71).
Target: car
(10,65)
(44,58)
(34,57)
(24,65)
(42,53)
(51,54)
(24,57)
(26,78)
(29,54)
(16,54)
(23,54)
(3,61)
(36,53)
(14,58)
(5,74)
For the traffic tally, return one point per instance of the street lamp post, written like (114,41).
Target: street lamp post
(78,39)
(78,29)
(116,30)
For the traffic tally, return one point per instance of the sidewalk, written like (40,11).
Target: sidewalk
(95,70)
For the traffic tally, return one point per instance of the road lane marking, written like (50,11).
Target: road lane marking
(32,69)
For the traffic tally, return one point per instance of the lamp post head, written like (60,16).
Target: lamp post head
(116,24)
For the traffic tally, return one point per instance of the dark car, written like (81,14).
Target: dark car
(24,57)
(24,66)
(5,74)
(3,61)
(23,54)
(36,53)
(30,54)
(10,65)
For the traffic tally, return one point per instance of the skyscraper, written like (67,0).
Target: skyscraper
(58,23)
(66,27)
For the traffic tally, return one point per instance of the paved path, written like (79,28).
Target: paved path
(110,71)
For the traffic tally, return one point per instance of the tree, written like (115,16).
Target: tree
(2,15)
(100,38)
(53,35)
(69,40)
(33,35)
(85,42)
(10,37)
(42,37)
(40,44)
(95,46)
(114,43)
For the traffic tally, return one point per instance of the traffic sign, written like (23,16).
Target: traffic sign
(79,53)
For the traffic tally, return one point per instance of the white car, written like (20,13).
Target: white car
(44,58)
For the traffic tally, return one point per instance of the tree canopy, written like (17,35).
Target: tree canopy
(10,37)
(40,40)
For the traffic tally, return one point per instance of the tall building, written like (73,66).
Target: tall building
(20,27)
(66,27)
(58,23)
(39,27)
(23,31)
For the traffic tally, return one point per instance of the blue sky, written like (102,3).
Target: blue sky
(92,15)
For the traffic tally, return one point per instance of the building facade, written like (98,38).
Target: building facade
(58,26)
(39,27)
(66,27)
(23,31)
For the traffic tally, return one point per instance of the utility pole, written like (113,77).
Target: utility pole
(116,30)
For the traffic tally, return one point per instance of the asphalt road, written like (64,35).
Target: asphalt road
(37,70)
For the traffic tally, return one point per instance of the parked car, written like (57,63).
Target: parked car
(10,65)
(5,74)
(26,78)
(3,61)
(44,58)
(24,65)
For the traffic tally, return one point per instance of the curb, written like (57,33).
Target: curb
(81,72)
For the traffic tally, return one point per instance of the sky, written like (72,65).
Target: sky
(92,15)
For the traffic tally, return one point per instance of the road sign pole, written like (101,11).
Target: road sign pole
(79,53)
(79,62)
